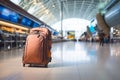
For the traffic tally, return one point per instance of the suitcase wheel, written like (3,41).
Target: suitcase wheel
(23,65)
(46,65)
(49,59)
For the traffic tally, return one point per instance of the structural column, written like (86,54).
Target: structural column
(88,32)
(61,15)
(102,24)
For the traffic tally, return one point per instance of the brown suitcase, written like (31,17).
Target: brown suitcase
(37,47)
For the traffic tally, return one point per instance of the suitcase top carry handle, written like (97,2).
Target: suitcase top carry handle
(35,32)
(42,31)
(38,33)
(45,30)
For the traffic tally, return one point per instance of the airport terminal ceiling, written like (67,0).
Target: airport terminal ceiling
(50,11)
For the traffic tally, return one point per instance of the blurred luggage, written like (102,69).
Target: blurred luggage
(37,47)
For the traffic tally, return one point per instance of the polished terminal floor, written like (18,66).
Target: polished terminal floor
(71,61)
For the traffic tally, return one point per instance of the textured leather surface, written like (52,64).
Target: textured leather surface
(38,45)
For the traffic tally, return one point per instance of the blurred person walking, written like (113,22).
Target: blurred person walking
(101,37)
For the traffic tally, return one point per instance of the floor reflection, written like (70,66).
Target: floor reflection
(7,54)
(74,53)
(71,61)
(115,51)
